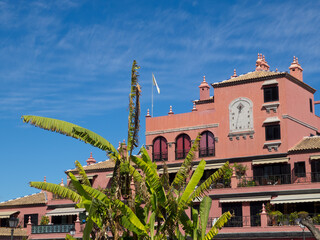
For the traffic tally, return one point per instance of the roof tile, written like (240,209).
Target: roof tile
(37,198)
(307,143)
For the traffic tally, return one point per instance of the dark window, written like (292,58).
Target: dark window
(236,210)
(4,222)
(34,219)
(311,107)
(272,132)
(183,145)
(300,169)
(271,94)
(272,174)
(160,149)
(315,171)
(255,210)
(206,144)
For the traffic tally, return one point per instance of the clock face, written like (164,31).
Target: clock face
(240,115)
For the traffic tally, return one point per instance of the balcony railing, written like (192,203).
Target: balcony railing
(265,180)
(206,151)
(52,228)
(238,221)
(181,154)
(160,156)
(219,184)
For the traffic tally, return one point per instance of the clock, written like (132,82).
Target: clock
(240,115)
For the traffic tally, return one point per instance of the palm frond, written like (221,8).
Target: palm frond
(195,220)
(152,178)
(205,186)
(134,109)
(56,189)
(82,173)
(192,184)
(72,130)
(205,207)
(222,220)
(185,168)
(129,220)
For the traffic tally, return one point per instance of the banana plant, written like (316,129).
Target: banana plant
(200,221)
(169,206)
(122,175)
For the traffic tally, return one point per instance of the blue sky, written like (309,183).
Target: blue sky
(71,60)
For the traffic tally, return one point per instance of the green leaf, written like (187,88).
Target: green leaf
(192,184)
(82,173)
(205,186)
(56,189)
(72,130)
(152,178)
(195,220)
(185,168)
(205,207)
(222,220)
(151,222)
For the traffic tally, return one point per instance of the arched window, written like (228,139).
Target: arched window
(160,149)
(183,145)
(206,148)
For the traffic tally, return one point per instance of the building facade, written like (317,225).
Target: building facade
(264,124)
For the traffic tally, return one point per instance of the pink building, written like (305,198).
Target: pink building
(264,122)
(62,214)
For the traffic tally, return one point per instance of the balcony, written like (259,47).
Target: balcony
(52,228)
(264,180)
(160,156)
(222,183)
(206,152)
(239,221)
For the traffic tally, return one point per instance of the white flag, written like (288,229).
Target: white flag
(155,83)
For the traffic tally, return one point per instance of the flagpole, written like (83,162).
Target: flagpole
(152,98)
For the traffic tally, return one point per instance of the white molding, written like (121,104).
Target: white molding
(244,134)
(215,125)
(270,82)
(299,122)
(272,145)
(271,106)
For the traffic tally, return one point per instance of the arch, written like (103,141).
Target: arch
(207,144)
(160,149)
(183,145)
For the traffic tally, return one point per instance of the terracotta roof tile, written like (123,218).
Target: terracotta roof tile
(37,198)
(17,232)
(249,76)
(96,166)
(307,144)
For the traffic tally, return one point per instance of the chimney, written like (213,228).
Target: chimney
(261,63)
(204,89)
(296,69)
(90,160)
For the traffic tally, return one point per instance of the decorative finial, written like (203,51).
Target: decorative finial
(204,78)
(91,155)
(119,144)
(234,73)
(194,107)
(263,208)
(45,179)
(148,113)
(61,184)
(170,111)
(29,220)
(124,141)
(276,69)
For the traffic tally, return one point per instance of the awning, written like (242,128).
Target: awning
(296,198)
(210,166)
(7,214)
(65,211)
(245,199)
(270,161)
(271,120)
(315,157)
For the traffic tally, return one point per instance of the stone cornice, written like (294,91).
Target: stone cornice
(286,116)
(184,129)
